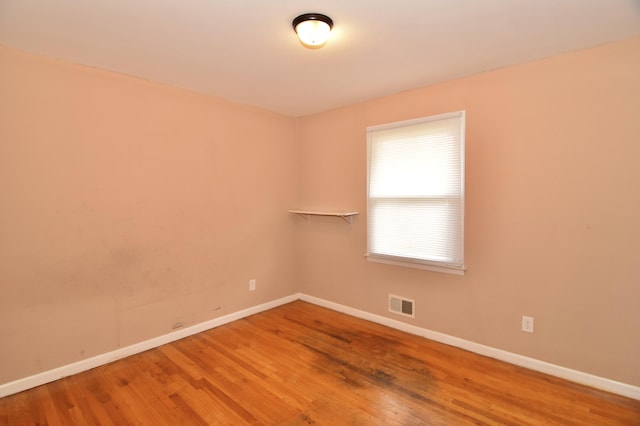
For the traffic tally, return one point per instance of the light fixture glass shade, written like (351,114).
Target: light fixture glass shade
(313,29)
(313,33)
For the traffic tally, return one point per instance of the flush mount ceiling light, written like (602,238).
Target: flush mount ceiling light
(313,29)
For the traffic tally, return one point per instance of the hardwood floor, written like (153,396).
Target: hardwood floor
(301,364)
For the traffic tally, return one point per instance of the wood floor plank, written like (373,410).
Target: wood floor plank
(301,364)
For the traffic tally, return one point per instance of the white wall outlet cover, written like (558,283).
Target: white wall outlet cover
(527,324)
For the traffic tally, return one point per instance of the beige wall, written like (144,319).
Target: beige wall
(552,211)
(126,206)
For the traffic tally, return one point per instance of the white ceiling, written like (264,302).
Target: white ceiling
(246,51)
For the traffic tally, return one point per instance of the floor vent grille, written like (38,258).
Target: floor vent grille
(402,306)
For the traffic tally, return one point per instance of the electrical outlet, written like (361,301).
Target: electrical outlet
(527,324)
(252,285)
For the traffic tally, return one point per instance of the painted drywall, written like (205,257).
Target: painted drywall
(129,208)
(552,208)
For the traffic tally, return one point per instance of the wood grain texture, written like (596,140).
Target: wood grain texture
(301,364)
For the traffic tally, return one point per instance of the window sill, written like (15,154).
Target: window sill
(407,264)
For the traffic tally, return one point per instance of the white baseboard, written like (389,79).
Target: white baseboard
(601,383)
(523,361)
(96,361)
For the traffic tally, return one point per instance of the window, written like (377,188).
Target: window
(415,194)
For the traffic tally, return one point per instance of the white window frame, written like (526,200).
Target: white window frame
(451,266)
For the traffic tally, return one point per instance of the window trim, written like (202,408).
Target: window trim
(429,265)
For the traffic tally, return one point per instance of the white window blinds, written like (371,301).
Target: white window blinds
(416,191)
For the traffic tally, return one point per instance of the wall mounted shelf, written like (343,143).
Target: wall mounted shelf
(348,216)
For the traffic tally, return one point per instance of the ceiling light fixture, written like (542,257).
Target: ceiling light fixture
(313,29)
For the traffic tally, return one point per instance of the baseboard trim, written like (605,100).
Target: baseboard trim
(96,361)
(598,382)
(602,383)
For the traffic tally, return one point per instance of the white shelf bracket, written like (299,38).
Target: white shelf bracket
(348,218)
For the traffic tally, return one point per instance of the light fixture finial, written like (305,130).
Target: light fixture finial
(313,29)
